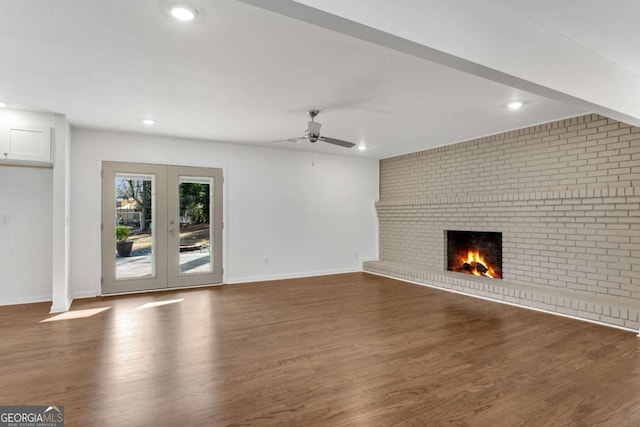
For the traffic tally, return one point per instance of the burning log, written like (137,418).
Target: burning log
(474,264)
(481,267)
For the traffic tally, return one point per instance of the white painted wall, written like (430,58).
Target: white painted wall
(310,214)
(26,237)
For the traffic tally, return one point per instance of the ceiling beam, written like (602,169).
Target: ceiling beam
(485,39)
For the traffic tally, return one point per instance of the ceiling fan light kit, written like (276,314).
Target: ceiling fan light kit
(312,134)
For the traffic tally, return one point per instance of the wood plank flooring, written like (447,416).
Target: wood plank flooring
(352,349)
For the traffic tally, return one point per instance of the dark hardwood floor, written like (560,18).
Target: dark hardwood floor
(352,349)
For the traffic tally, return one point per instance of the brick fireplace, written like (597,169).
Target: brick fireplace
(564,196)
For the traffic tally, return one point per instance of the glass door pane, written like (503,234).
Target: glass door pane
(195,250)
(134,214)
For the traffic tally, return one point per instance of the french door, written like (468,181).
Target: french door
(161,226)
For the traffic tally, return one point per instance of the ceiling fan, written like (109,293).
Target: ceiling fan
(312,134)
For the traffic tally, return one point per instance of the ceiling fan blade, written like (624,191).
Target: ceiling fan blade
(339,142)
(296,140)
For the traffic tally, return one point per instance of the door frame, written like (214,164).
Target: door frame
(98,217)
(159,279)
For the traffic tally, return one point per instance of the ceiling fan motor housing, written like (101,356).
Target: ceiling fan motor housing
(313,131)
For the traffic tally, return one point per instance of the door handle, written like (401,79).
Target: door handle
(171,222)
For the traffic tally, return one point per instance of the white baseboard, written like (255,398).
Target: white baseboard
(597,322)
(291,276)
(84,294)
(25,300)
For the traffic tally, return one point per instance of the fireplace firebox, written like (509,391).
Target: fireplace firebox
(475,252)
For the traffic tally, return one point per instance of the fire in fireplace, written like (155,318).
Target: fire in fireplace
(475,252)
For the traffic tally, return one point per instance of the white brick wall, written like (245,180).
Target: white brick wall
(586,152)
(565,195)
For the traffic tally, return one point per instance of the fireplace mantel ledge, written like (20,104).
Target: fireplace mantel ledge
(608,309)
(506,197)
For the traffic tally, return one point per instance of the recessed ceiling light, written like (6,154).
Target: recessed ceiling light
(183,13)
(515,105)
(148,122)
(362,147)
(3,104)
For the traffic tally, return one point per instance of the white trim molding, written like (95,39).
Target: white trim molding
(62,309)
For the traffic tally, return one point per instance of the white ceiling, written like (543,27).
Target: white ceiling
(561,50)
(610,29)
(242,74)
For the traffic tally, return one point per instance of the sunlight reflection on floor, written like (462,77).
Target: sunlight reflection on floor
(159,303)
(77,314)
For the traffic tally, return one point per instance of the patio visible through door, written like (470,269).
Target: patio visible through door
(161,226)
